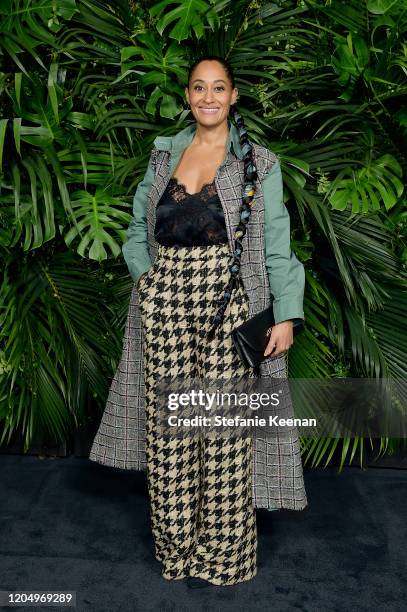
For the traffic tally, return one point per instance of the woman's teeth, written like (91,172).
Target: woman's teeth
(210,111)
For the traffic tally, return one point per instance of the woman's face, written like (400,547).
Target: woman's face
(210,93)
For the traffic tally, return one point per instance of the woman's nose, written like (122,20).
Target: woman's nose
(208,97)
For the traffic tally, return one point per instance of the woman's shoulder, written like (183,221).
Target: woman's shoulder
(161,145)
(164,143)
(265,158)
(265,152)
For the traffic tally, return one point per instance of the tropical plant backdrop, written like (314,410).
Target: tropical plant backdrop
(86,85)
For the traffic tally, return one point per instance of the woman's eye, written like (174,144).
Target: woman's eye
(218,87)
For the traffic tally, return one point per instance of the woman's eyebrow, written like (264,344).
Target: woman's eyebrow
(216,81)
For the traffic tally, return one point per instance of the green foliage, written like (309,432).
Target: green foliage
(372,185)
(25,26)
(188,16)
(158,67)
(84,89)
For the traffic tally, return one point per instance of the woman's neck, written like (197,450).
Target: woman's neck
(215,136)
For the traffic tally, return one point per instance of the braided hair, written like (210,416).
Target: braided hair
(249,189)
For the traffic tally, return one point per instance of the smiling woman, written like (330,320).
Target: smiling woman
(210,100)
(209,215)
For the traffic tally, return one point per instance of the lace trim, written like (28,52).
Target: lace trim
(178,191)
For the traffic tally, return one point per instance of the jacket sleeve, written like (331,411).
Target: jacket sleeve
(135,249)
(286,273)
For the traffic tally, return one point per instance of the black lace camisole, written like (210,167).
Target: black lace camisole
(190,219)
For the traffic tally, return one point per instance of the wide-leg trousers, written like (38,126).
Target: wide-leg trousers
(200,488)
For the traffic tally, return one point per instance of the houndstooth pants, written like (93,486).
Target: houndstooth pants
(200,488)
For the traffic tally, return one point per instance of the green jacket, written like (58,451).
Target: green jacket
(286,274)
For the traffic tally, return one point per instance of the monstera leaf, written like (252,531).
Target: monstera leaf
(167,104)
(98,220)
(368,187)
(188,15)
(158,67)
(41,109)
(34,210)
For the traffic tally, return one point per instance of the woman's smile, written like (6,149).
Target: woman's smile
(208,111)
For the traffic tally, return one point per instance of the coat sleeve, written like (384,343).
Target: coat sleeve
(286,273)
(135,249)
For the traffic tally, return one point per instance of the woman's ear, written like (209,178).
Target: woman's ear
(187,94)
(235,95)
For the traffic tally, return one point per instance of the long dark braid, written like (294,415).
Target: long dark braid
(249,189)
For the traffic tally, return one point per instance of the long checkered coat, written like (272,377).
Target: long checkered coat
(120,440)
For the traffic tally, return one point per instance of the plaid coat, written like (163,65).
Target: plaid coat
(120,440)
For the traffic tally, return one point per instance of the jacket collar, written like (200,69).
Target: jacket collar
(176,144)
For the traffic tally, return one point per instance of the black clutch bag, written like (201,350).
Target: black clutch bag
(251,337)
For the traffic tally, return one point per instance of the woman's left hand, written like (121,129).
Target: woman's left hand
(281,338)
